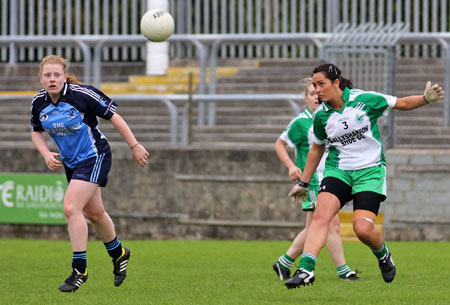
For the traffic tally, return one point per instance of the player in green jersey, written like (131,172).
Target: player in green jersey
(355,167)
(299,135)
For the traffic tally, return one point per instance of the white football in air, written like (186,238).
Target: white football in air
(157,25)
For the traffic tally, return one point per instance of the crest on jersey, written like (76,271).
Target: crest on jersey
(71,114)
(359,118)
(43,117)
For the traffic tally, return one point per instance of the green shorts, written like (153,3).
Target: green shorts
(311,199)
(372,179)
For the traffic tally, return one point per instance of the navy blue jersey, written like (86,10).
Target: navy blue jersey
(72,121)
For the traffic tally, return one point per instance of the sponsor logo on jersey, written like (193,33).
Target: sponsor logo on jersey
(350,137)
(60,130)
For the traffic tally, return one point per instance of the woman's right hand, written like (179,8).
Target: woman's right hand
(52,162)
(295,173)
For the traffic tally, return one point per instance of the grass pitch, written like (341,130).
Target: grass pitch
(218,272)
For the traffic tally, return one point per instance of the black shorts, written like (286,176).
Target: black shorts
(95,169)
(368,201)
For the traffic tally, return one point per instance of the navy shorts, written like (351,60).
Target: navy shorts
(93,170)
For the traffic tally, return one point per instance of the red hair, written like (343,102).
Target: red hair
(64,63)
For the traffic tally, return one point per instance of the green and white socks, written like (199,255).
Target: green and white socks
(286,261)
(342,271)
(381,253)
(308,262)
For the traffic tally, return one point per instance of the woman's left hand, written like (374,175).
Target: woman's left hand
(141,155)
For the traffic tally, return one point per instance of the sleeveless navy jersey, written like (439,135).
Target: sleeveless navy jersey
(72,121)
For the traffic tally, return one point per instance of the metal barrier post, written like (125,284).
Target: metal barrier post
(446,46)
(12,31)
(447,87)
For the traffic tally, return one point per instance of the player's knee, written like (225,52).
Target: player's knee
(363,228)
(335,225)
(94,216)
(321,217)
(70,210)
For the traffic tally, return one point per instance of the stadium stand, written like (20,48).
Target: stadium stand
(237,123)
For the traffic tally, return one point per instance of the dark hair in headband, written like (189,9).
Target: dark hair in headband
(332,73)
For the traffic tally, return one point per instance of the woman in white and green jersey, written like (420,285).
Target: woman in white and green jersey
(355,170)
(299,135)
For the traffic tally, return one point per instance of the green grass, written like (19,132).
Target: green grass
(218,272)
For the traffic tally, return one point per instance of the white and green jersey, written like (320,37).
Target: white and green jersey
(352,132)
(299,135)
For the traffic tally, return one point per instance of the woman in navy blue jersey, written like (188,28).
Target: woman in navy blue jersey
(68,111)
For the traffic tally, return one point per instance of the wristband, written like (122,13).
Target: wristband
(303,184)
(425,100)
(134,146)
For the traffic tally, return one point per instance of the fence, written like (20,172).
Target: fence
(172,100)
(121,17)
(208,45)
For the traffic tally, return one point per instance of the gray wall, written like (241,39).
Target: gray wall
(203,193)
(418,204)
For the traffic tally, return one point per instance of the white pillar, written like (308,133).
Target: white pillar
(157,60)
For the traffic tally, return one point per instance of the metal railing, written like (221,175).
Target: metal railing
(171,101)
(207,46)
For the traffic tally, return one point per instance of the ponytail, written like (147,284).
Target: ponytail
(72,79)
(332,73)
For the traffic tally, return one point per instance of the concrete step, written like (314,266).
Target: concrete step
(441,140)
(143,110)
(14,136)
(423,146)
(138,128)
(417,88)
(250,105)
(256,128)
(127,88)
(259,88)
(419,121)
(412,131)
(432,110)
(416,78)
(292,72)
(259,78)
(289,63)
(237,137)
(144,136)
(247,120)
(16,127)
(232,145)
(257,111)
